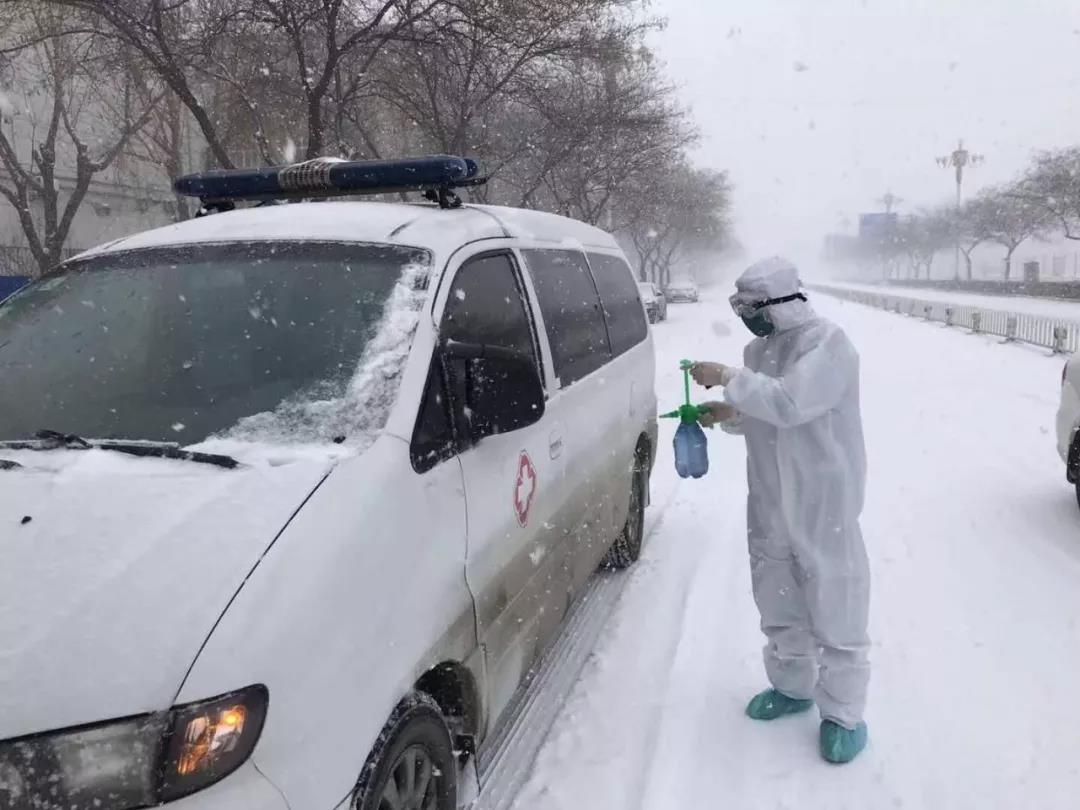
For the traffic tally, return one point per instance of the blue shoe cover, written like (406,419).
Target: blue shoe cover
(840,745)
(770,705)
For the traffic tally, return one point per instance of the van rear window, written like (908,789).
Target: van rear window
(572,312)
(622,302)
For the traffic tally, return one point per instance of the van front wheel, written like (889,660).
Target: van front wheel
(412,765)
(626,549)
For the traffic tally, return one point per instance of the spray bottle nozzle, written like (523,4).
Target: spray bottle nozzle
(687,413)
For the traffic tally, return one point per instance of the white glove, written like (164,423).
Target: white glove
(717,413)
(712,374)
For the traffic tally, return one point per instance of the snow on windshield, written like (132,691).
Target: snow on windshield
(358,414)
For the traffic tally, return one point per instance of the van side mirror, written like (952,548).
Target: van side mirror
(503,390)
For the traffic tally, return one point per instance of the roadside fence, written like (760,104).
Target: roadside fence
(1058,335)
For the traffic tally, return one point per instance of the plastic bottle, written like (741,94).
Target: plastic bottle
(691,446)
(691,451)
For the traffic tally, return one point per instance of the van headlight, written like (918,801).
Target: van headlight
(134,762)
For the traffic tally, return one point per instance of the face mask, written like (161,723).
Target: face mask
(759,323)
(753,313)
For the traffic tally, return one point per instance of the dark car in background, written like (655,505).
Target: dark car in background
(9,284)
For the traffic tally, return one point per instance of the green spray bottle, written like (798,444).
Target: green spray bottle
(691,446)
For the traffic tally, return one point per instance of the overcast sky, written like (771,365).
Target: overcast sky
(818,107)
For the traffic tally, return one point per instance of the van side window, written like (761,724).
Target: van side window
(487,306)
(433,437)
(572,313)
(622,303)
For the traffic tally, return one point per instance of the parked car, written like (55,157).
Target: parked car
(654,300)
(9,284)
(322,483)
(1068,422)
(682,290)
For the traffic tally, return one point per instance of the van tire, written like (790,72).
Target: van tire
(626,549)
(414,739)
(1072,466)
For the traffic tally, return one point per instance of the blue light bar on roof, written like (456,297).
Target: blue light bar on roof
(331,177)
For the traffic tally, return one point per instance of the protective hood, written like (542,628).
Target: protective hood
(775,278)
(113,571)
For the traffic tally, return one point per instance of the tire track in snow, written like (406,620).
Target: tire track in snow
(654,724)
(651,610)
(554,681)
(703,690)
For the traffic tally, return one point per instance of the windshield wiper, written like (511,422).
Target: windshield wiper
(58,439)
(55,440)
(9,465)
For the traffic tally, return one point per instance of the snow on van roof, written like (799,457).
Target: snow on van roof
(415,225)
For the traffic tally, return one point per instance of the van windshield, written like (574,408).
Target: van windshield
(270,340)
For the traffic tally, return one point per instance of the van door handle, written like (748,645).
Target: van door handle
(555,445)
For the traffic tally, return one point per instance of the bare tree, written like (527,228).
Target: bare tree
(905,243)
(480,55)
(674,212)
(1011,220)
(921,236)
(1052,183)
(163,143)
(560,99)
(609,126)
(971,225)
(331,45)
(310,53)
(69,126)
(172,36)
(937,234)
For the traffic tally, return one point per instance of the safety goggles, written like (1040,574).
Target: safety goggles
(744,308)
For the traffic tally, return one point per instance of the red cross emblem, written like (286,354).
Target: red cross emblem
(524,488)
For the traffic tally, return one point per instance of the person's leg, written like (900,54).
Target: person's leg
(836,582)
(791,650)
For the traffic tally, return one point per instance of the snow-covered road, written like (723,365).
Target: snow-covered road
(974,538)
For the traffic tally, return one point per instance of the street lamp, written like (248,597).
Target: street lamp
(960,159)
(889,200)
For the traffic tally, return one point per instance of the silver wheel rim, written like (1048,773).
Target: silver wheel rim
(413,783)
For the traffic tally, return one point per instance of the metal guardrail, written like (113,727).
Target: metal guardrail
(1059,335)
(17,260)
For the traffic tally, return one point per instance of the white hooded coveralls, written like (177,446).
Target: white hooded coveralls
(798,404)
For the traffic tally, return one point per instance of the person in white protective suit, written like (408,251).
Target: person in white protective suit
(796,400)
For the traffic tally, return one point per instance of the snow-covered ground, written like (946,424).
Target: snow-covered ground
(1048,307)
(974,538)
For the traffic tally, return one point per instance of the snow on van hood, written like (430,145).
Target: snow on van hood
(114,569)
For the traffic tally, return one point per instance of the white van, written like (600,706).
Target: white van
(292,498)
(1068,422)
